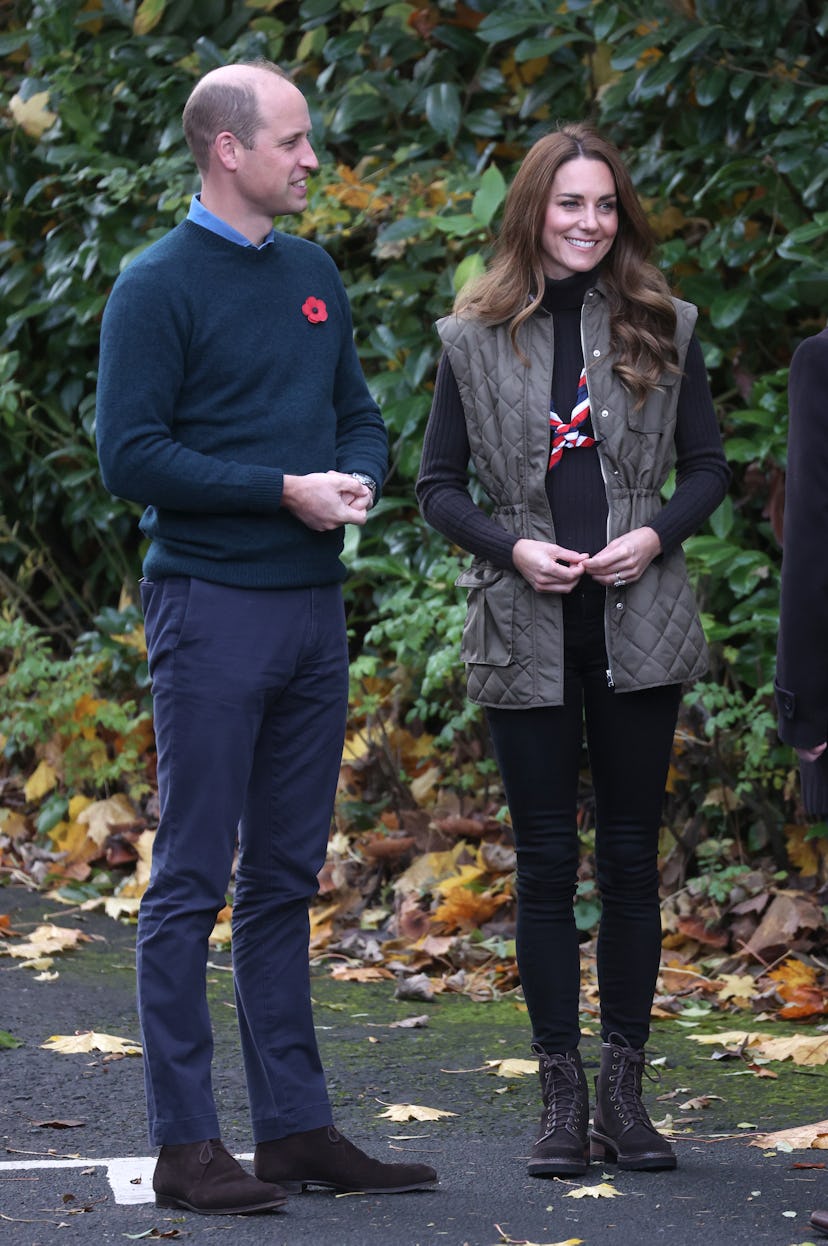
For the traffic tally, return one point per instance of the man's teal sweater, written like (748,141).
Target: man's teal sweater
(213,384)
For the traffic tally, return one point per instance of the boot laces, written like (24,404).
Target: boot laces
(560,1091)
(208,1150)
(626,1085)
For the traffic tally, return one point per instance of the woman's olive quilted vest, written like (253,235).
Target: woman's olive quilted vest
(512,641)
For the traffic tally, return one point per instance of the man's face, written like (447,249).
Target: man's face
(272,175)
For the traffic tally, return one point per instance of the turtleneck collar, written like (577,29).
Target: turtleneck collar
(568,293)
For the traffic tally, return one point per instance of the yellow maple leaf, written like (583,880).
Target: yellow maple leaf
(102,817)
(413,1112)
(45,941)
(602,1190)
(794,972)
(39,783)
(72,839)
(737,987)
(804,854)
(32,115)
(426,871)
(13,824)
(512,1068)
(732,1038)
(465,875)
(468,910)
(77,804)
(89,1040)
(805,1049)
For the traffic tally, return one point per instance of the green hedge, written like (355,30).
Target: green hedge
(420,116)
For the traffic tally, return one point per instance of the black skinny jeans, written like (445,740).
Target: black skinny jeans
(629,738)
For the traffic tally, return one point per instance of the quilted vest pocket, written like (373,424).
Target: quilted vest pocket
(489,627)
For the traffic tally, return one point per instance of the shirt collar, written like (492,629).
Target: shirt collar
(200,215)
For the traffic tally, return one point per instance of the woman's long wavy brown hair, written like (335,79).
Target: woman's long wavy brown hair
(642,315)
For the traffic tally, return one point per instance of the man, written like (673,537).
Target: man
(801,658)
(232,405)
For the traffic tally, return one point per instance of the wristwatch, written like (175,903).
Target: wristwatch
(365,479)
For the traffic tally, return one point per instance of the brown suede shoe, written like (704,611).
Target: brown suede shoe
(819,1220)
(204,1177)
(323,1157)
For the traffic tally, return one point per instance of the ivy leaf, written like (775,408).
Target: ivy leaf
(148,15)
(489,195)
(443,109)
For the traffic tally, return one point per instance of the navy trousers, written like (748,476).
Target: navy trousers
(250,693)
(629,737)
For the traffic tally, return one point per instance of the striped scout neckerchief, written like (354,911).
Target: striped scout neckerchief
(567,436)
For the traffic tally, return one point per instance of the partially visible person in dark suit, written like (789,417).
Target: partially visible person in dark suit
(802,648)
(802,654)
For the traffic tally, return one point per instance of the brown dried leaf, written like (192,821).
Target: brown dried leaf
(57,1124)
(360,973)
(789,915)
(802,1138)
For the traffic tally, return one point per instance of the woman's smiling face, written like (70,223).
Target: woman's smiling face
(581,218)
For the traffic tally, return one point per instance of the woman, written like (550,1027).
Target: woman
(571,381)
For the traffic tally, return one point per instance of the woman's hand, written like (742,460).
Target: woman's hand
(625,559)
(547,567)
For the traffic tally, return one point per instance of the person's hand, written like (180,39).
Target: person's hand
(811,754)
(625,559)
(326,500)
(547,567)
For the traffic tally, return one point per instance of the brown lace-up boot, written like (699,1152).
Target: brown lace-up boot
(622,1131)
(561,1147)
(324,1157)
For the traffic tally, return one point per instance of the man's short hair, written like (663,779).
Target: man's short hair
(217,105)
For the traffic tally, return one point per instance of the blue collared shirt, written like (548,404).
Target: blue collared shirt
(208,220)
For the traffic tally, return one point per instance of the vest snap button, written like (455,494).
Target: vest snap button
(619,605)
(596,353)
(604,413)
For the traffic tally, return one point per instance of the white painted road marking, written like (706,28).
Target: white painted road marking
(130,1178)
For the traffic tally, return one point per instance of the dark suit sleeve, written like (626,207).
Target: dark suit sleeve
(802,649)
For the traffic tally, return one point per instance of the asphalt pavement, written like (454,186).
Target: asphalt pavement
(75,1164)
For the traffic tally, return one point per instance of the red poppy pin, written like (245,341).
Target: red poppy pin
(314,309)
